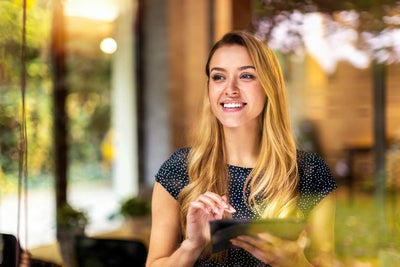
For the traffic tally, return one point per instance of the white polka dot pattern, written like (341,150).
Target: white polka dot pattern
(316,182)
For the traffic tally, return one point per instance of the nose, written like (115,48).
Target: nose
(231,88)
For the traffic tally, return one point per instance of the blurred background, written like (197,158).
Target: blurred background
(106,90)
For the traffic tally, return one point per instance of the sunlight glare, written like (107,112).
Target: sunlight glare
(108,45)
(105,10)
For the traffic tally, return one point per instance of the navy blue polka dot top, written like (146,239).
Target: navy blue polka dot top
(315,183)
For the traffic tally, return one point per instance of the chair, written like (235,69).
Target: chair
(10,251)
(102,252)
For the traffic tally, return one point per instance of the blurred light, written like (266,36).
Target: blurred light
(106,10)
(330,40)
(108,45)
(394,20)
(338,45)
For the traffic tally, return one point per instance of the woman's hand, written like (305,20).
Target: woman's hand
(25,259)
(208,206)
(274,250)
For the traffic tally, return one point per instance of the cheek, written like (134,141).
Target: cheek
(213,94)
(212,99)
(260,101)
(261,95)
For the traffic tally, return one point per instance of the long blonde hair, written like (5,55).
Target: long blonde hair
(274,179)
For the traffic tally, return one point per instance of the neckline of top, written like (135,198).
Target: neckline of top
(239,167)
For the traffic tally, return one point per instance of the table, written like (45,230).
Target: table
(51,252)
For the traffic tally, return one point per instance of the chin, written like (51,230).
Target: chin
(231,125)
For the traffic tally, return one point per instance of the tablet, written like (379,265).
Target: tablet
(224,230)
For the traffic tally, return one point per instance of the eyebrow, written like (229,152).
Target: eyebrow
(240,68)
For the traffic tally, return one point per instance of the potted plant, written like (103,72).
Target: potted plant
(70,223)
(135,207)
(69,217)
(136,213)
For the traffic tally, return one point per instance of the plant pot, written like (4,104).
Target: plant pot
(66,239)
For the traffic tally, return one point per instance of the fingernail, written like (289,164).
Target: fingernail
(231,209)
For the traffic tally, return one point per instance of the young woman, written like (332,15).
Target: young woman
(243,165)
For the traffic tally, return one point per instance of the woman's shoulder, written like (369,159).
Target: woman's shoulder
(316,180)
(310,161)
(181,152)
(314,171)
(177,160)
(172,174)
(310,158)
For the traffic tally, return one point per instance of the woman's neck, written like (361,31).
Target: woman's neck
(242,147)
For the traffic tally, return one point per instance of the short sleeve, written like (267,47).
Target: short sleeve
(173,175)
(316,180)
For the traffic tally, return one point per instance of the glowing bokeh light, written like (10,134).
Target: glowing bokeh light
(108,45)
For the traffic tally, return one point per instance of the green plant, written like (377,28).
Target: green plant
(134,207)
(67,216)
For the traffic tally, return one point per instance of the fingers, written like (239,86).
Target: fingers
(215,200)
(258,248)
(270,239)
(272,249)
(228,207)
(256,242)
(303,240)
(198,207)
(213,204)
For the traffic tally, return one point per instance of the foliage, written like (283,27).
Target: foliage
(67,216)
(358,232)
(367,29)
(135,207)
(88,105)
(88,102)
(37,29)
(38,87)
(373,10)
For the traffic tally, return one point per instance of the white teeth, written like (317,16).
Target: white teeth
(233,105)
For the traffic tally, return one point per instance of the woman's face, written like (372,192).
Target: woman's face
(236,96)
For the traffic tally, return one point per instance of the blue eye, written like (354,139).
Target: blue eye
(247,76)
(217,77)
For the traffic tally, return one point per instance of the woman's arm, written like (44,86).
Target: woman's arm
(166,248)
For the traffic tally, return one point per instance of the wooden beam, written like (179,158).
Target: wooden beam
(379,81)
(58,57)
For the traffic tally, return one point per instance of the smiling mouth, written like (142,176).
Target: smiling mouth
(233,105)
